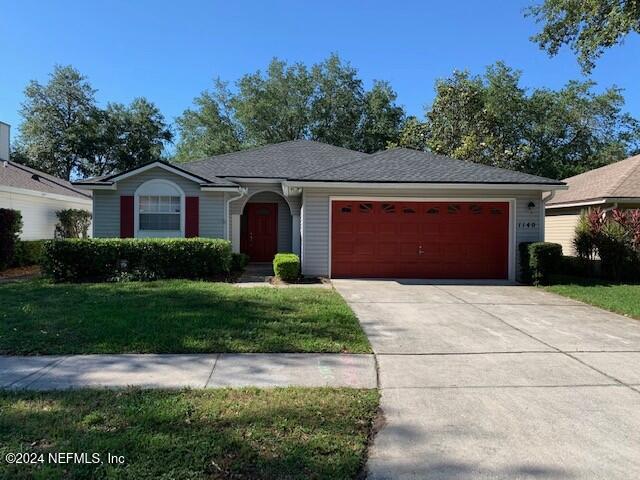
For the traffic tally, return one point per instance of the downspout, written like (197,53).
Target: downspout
(242,191)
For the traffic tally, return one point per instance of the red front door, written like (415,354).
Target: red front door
(447,239)
(260,232)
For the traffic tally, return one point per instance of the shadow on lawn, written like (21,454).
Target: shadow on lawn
(293,433)
(173,317)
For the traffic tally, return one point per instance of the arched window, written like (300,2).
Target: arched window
(159,209)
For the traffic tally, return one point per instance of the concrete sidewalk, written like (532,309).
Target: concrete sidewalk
(195,371)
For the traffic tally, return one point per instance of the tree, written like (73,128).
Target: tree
(55,135)
(128,136)
(65,133)
(276,107)
(208,128)
(326,102)
(337,104)
(588,26)
(491,119)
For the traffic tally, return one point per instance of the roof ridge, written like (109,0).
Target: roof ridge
(259,147)
(60,182)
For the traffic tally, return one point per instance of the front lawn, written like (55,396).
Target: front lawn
(619,298)
(290,433)
(173,316)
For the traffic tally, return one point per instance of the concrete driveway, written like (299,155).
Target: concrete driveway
(499,381)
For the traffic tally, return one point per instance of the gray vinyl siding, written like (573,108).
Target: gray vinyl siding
(106,204)
(315,227)
(271,192)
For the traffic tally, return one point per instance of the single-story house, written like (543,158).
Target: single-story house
(37,195)
(396,213)
(616,185)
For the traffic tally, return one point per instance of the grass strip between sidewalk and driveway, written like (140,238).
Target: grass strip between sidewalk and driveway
(619,298)
(287,433)
(173,316)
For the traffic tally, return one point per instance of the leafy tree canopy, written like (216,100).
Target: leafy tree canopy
(587,26)
(492,120)
(325,102)
(65,133)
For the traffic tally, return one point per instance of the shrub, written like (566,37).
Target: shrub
(136,259)
(615,238)
(286,266)
(10,228)
(28,252)
(544,259)
(239,261)
(525,269)
(72,223)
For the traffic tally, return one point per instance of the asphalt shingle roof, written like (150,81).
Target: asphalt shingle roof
(306,160)
(616,180)
(293,159)
(413,166)
(20,176)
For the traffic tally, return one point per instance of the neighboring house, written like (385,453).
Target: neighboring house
(37,195)
(613,186)
(395,213)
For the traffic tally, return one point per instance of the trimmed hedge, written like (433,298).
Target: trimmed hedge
(286,266)
(525,269)
(239,261)
(544,259)
(28,252)
(10,228)
(104,259)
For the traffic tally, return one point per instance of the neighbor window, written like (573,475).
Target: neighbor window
(159,212)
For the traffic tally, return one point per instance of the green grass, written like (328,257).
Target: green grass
(291,433)
(173,316)
(619,298)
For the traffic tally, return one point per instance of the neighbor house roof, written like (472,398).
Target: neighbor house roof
(310,161)
(18,176)
(619,180)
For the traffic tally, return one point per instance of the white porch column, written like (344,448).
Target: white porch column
(295,234)
(235,233)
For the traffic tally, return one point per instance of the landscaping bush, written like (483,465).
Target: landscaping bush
(286,266)
(544,259)
(106,259)
(72,223)
(239,261)
(525,269)
(28,252)
(615,238)
(10,228)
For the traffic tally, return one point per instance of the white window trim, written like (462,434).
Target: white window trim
(511,263)
(136,211)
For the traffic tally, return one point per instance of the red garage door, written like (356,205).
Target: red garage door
(466,240)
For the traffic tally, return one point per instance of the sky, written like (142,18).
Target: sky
(169,52)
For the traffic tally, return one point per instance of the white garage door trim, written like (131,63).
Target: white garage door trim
(510,200)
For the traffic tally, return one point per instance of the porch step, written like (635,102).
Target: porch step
(257,272)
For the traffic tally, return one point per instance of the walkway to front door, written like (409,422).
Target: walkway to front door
(260,231)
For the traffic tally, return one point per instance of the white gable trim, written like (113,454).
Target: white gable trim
(149,166)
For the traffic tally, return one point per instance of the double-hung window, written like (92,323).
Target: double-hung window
(159,212)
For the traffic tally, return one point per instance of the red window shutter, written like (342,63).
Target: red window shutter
(126,216)
(192,217)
